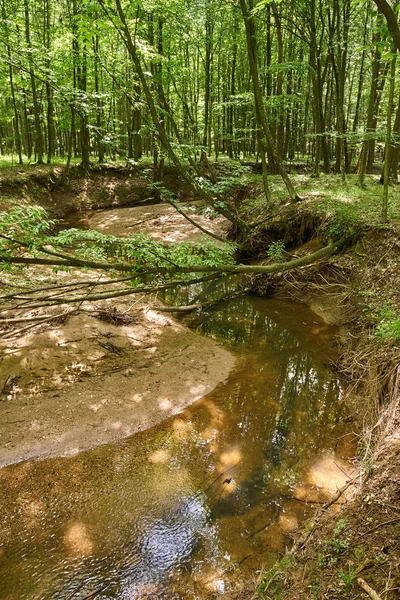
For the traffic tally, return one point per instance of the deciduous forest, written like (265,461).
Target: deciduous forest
(199,299)
(185,80)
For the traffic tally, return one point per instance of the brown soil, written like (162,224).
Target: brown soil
(88,382)
(160,221)
(106,186)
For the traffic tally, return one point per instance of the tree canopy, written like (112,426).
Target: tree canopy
(183,80)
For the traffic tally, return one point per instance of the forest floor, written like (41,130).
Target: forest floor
(357,290)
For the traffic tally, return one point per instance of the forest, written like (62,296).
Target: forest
(309,82)
(199,299)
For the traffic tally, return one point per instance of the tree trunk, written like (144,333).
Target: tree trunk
(386,168)
(39,146)
(262,124)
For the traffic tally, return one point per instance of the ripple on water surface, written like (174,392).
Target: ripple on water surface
(193,506)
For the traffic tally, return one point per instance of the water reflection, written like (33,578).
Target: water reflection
(193,506)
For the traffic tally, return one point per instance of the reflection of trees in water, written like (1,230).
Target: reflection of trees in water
(286,401)
(307,410)
(242,325)
(276,411)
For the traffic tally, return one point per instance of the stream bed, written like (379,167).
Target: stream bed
(194,507)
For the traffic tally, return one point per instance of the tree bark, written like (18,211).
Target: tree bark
(39,145)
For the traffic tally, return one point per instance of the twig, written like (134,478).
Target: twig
(93,594)
(380,525)
(187,308)
(371,593)
(341,469)
(304,538)
(72,594)
(222,474)
(17,331)
(118,293)
(185,216)
(23,320)
(339,493)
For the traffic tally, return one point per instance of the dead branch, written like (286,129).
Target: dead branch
(48,301)
(23,320)
(306,260)
(380,525)
(339,493)
(9,334)
(371,593)
(179,309)
(17,295)
(185,216)
(305,537)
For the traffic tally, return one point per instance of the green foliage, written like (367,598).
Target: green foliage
(30,227)
(388,328)
(271,577)
(348,577)
(261,5)
(333,548)
(140,250)
(25,224)
(276,250)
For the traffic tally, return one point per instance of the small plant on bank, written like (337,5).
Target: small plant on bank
(273,576)
(389,330)
(333,548)
(348,577)
(276,250)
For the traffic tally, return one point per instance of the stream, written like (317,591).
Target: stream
(194,507)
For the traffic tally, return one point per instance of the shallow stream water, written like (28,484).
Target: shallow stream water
(195,506)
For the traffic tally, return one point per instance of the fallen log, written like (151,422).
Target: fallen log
(179,309)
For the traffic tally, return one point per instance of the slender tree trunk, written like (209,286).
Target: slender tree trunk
(386,168)
(376,89)
(262,124)
(12,88)
(99,102)
(49,91)
(395,151)
(280,129)
(209,30)
(39,146)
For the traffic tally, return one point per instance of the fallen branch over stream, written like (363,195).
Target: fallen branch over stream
(178,309)
(308,259)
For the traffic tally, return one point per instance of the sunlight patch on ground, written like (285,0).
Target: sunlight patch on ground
(139,397)
(181,428)
(97,407)
(165,404)
(198,390)
(347,199)
(322,480)
(288,521)
(230,458)
(77,539)
(159,456)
